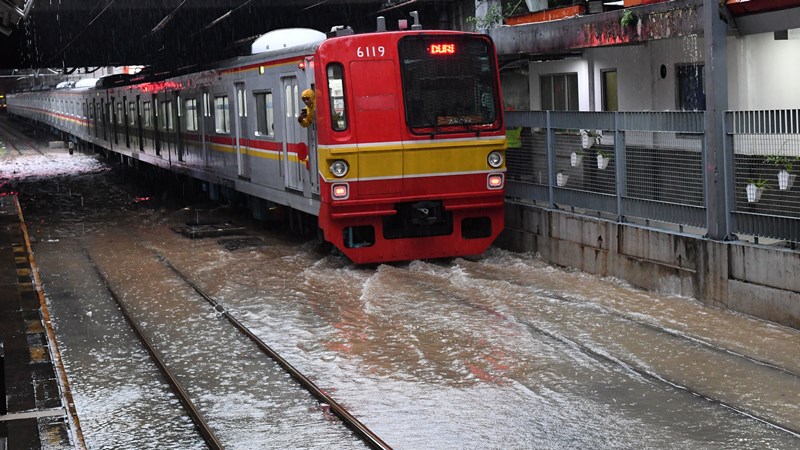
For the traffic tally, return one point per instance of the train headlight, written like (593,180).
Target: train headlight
(495,159)
(339,168)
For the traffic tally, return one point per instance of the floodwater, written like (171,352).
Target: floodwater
(497,351)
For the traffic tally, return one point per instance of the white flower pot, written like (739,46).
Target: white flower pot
(586,140)
(754,193)
(602,162)
(575,159)
(561,178)
(785,180)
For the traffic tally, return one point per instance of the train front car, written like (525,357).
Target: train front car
(411,144)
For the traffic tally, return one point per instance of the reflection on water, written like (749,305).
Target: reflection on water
(499,351)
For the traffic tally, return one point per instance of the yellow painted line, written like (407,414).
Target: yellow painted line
(51,335)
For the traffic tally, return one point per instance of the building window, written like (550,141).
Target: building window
(222,115)
(610,98)
(191,114)
(264,114)
(559,92)
(691,92)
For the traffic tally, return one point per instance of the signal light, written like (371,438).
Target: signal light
(495,181)
(340,191)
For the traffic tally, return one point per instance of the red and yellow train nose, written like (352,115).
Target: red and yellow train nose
(413,200)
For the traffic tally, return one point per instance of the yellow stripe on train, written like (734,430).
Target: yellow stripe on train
(411,159)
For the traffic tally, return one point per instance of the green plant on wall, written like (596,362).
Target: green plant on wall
(759,183)
(495,13)
(628,18)
(784,161)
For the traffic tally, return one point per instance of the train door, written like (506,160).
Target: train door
(294,134)
(377,119)
(122,122)
(242,133)
(179,127)
(139,124)
(166,118)
(157,127)
(206,125)
(103,120)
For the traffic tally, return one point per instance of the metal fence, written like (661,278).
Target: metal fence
(651,166)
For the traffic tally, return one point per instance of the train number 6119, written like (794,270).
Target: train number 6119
(362,52)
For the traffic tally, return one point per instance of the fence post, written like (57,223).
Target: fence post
(551,161)
(730,178)
(619,163)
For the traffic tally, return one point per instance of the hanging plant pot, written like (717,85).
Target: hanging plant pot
(562,178)
(753,193)
(575,159)
(602,161)
(785,180)
(586,140)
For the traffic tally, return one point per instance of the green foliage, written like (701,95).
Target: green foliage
(628,18)
(496,13)
(760,183)
(785,161)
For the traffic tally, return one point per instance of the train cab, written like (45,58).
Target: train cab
(411,144)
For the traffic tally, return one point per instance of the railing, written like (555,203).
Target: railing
(650,166)
(765,147)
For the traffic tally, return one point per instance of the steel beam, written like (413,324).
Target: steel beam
(658,21)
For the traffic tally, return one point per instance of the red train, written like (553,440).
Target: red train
(403,156)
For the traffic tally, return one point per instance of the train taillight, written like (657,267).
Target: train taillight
(340,191)
(495,181)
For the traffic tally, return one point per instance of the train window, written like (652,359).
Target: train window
(169,119)
(451,90)
(191,114)
(132,113)
(241,102)
(162,114)
(206,105)
(336,95)
(147,111)
(120,113)
(287,95)
(265,122)
(222,115)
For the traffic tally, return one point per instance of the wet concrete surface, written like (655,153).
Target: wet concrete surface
(498,351)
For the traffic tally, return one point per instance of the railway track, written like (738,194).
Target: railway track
(12,137)
(181,392)
(632,366)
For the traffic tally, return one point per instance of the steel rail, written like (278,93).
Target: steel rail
(195,414)
(13,132)
(354,424)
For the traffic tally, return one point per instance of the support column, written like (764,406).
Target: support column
(716,87)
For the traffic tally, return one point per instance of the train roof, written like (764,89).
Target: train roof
(286,38)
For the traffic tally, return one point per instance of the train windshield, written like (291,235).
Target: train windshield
(449,83)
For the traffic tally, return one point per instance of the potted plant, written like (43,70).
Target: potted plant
(602,159)
(590,137)
(575,158)
(754,189)
(786,163)
(562,178)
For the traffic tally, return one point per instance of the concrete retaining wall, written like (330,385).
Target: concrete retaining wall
(759,280)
